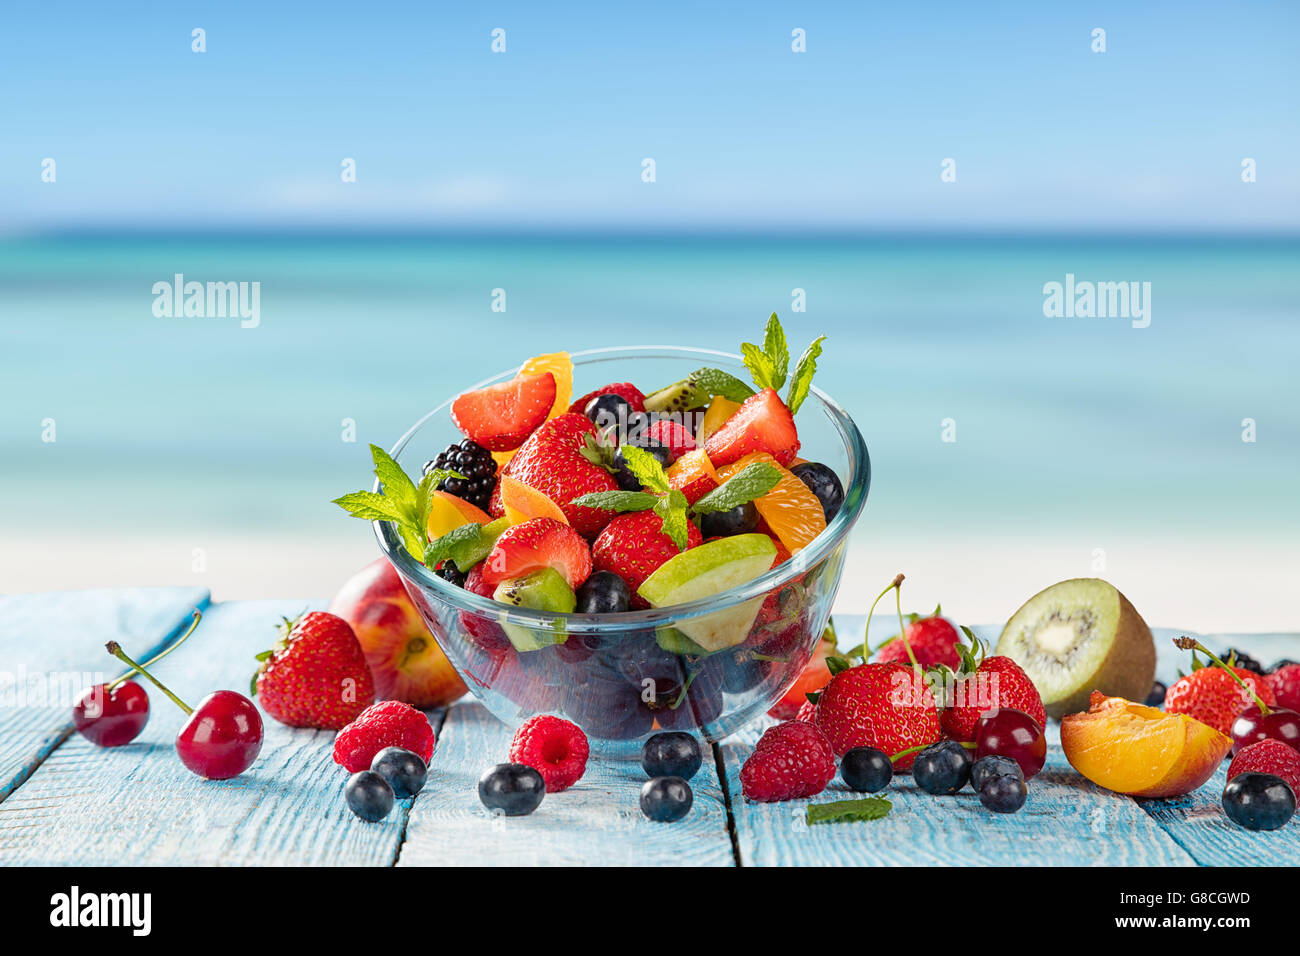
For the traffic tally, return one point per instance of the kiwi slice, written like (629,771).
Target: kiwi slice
(1079,636)
(544,590)
(678,397)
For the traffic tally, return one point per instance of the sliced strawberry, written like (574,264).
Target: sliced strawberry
(536,544)
(625,390)
(762,423)
(666,433)
(500,417)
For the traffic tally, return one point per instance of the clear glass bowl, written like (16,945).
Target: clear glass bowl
(612,674)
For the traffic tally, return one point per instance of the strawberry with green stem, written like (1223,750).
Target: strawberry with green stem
(1246,712)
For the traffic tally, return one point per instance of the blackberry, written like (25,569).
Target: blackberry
(1242,659)
(476,463)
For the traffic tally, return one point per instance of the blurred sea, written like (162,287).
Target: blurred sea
(1078,441)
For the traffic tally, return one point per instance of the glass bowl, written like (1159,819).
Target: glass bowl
(622,677)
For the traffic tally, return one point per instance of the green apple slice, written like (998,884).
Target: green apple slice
(544,590)
(707,570)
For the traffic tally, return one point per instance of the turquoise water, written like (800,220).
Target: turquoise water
(177,424)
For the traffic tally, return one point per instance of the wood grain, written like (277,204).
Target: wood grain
(52,647)
(598,822)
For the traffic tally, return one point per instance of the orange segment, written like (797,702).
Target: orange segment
(502,458)
(693,475)
(523,502)
(791,510)
(720,409)
(560,365)
(447,512)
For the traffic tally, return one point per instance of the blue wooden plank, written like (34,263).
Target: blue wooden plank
(138,805)
(596,822)
(52,648)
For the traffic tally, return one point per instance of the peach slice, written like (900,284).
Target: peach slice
(447,512)
(1139,750)
(523,502)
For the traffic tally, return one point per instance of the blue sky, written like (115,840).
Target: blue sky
(1046,134)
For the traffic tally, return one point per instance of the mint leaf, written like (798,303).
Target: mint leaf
(464,547)
(804,371)
(645,467)
(759,364)
(753,481)
(717,382)
(397,485)
(672,509)
(778,352)
(369,506)
(849,811)
(618,500)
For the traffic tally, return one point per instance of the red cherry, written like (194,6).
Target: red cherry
(1012,733)
(110,716)
(223,736)
(1252,726)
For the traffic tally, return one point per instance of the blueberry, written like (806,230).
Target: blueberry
(942,768)
(451,574)
(608,411)
(1258,801)
(866,769)
(1156,696)
(368,795)
(628,481)
(741,519)
(673,754)
(516,789)
(1242,659)
(666,799)
(1003,793)
(824,483)
(994,765)
(404,771)
(604,592)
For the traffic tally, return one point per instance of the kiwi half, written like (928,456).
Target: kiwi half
(1079,636)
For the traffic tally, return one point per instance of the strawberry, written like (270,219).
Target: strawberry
(934,641)
(1268,756)
(316,675)
(886,706)
(693,475)
(501,416)
(634,545)
(762,423)
(483,630)
(1285,685)
(790,760)
(665,433)
(815,675)
(624,390)
(552,461)
(536,544)
(993,683)
(1211,696)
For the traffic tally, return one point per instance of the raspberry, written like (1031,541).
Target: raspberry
(1268,756)
(554,747)
(791,760)
(1285,684)
(390,723)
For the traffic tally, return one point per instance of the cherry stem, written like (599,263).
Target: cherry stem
(902,628)
(116,650)
(121,678)
(910,750)
(1191,644)
(866,648)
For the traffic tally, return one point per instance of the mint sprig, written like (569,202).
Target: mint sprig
(464,547)
(645,467)
(717,382)
(849,811)
(618,500)
(769,365)
(753,481)
(400,501)
(804,370)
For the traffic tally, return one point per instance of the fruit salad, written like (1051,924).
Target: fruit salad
(628,497)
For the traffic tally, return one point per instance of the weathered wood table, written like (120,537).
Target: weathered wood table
(63,801)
